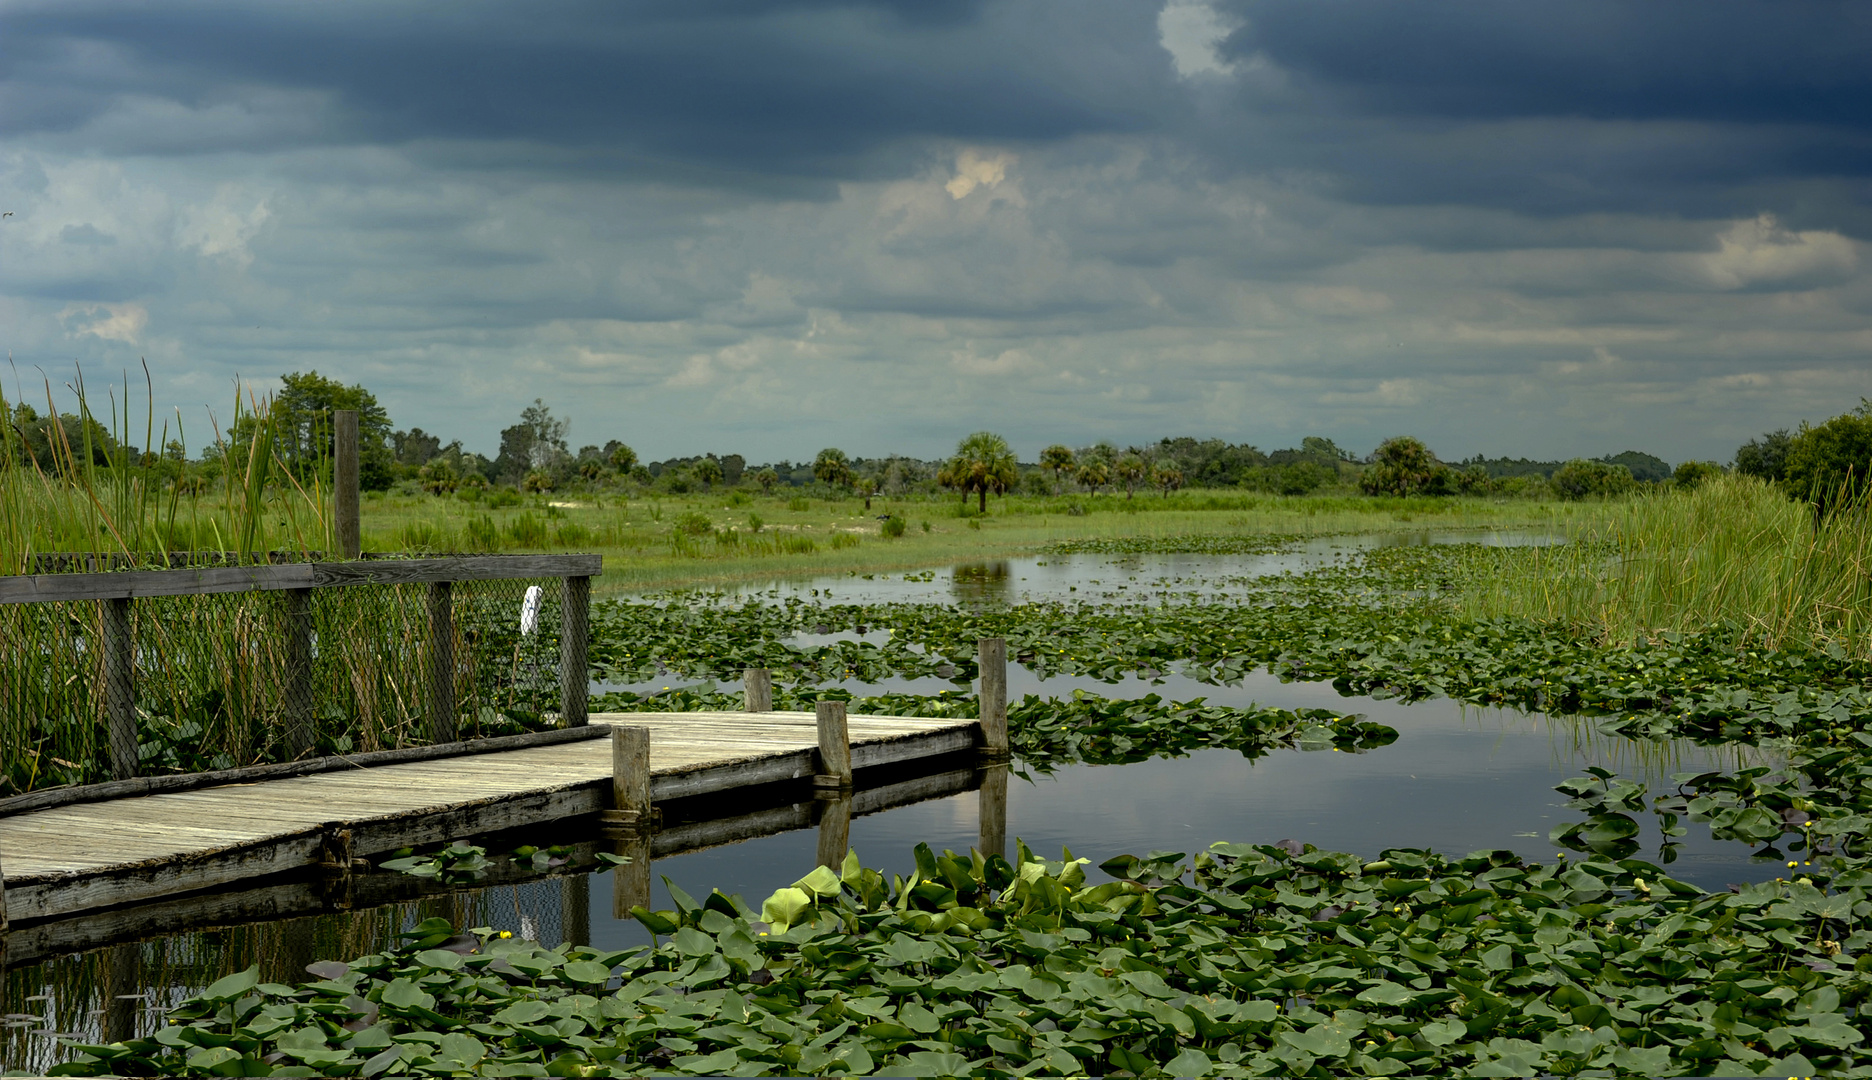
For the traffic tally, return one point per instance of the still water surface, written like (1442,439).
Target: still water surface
(1457,780)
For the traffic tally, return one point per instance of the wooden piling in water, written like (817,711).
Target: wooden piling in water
(630,780)
(630,882)
(994,732)
(757,686)
(346,527)
(834,830)
(835,763)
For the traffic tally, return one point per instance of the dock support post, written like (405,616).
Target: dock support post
(297,685)
(120,687)
(575,909)
(834,830)
(630,882)
(630,781)
(994,732)
(991,809)
(4,924)
(442,662)
(346,530)
(574,637)
(758,686)
(835,768)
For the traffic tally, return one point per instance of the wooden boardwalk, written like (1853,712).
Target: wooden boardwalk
(70,859)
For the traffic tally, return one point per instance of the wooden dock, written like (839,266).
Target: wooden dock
(89,857)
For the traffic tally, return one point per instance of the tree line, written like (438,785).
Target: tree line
(1827,462)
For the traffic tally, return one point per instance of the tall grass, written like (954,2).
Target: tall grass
(1732,551)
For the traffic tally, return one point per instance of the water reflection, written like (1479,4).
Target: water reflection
(985,584)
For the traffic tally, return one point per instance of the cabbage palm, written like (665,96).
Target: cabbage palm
(983,462)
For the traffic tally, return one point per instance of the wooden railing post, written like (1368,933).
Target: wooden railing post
(346,527)
(297,684)
(120,687)
(835,767)
(757,684)
(994,732)
(574,646)
(442,662)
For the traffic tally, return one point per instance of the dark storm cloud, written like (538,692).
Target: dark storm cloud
(736,87)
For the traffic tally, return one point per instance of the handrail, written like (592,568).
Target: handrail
(129,584)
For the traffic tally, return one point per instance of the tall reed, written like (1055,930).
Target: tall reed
(1733,551)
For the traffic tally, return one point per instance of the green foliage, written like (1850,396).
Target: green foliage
(693,523)
(983,464)
(1581,479)
(1831,465)
(1405,466)
(527,530)
(301,419)
(621,457)
(1765,458)
(893,528)
(1692,473)
(832,467)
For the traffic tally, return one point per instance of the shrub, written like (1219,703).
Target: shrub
(737,498)
(844,540)
(1403,465)
(503,497)
(798,504)
(480,534)
(1694,473)
(422,536)
(893,528)
(572,534)
(1828,465)
(536,481)
(755,522)
(693,523)
(795,544)
(1583,479)
(528,530)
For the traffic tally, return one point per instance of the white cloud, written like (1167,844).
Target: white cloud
(108,322)
(222,229)
(1760,250)
(1189,31)
(975,169)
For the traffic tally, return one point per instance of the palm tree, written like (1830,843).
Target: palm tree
(1130,471)
(983,462)
(1167,477)
(708,470)
(832,467)
(1094,474)
(1057,459)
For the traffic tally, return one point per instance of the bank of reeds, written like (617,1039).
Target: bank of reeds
(1733,551)
(210,688)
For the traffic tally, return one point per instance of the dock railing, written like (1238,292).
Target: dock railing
(228,662)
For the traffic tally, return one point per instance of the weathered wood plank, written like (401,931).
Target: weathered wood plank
(129,584)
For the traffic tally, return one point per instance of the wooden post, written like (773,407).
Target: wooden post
(991,809)
(575,909)
(120,687)
(994,733)
(630,882)
(297,684)
(834,830)
(630,780)
(442,662)
(4,924)
(574,642)
(835,768)
(757,683)
(345,522)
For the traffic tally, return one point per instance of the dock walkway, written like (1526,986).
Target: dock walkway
(91,856)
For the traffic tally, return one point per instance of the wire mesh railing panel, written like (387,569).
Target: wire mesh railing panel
(217,681)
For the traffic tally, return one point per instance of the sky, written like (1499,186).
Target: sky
(769,226)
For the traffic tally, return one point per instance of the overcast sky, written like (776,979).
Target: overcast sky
(768,227)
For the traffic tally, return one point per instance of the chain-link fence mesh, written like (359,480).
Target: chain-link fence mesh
(223,680)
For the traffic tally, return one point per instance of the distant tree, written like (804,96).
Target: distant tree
(867,487)
(832,467)
(621,457)
(302,427)
(1093,473)
(1058,460)
(733,468)
(1648,468)
(1693,474)
(767,478)
(539,480)
(415,447)
(1167,477)
(1581,479)
(983,463)
(438,478)
(708,472)
(1403,465)
(536,443)
(1765,457)
(1830,465)
(1130,470)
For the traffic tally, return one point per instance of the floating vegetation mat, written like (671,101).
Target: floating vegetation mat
(1248,960)
(1188,544)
